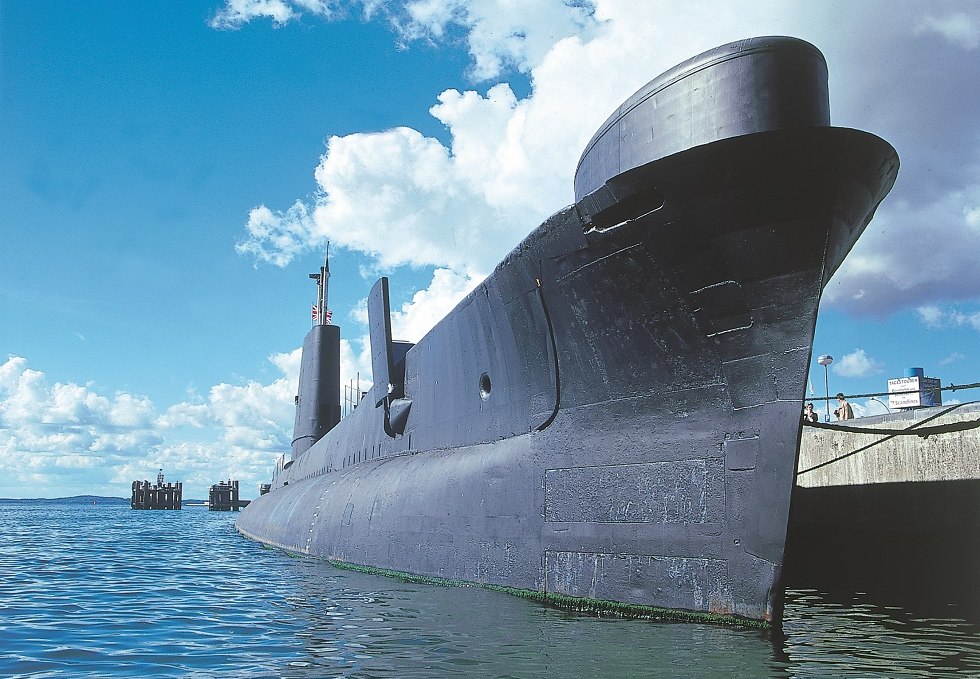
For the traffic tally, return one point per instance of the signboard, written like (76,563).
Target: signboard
(931,391)
(924,392)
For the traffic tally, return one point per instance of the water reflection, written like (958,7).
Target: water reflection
(886,634)
(374,627)
(365,626)
(94,592)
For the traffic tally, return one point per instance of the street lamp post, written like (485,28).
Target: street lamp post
(825,361)
(882,403)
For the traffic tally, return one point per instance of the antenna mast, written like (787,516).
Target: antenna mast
(322,289)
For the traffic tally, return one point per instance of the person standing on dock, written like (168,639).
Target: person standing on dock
(844,411)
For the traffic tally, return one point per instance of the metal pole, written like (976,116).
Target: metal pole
(319,298)
(825,360)
(826,384)
(325,279)
(882,403)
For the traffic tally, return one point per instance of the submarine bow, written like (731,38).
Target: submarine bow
(613,415)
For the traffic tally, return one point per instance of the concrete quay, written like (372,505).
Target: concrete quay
(950,456)
(902,513)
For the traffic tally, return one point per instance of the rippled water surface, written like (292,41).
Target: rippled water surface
(95,591)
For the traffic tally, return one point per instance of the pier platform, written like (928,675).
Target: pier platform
(223,497)
(160,495)
(880,509)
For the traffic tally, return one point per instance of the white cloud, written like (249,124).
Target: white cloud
(930,315)
(971,319)
(71,438)
(428,306)
(913,254)
(870,407)
(499,34)
(406,199)
(971,215)
(276,238)
(399,196)
(288,364)
(933,316)
(959,28)
(408,323)
(132,411)
(196,415)
(857,364)
(403,198)
(355,367)
(236,13)
(954,357)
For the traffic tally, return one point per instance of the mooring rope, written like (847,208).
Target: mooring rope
(951,387)
(915,429)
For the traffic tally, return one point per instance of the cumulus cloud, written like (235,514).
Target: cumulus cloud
(510,160)
(913,254)
(498,34)
(406,199)
(426,307)
(355,369)
(924,241)
(857,364)
(933,316)
(99,443)
(408,323)
(277,237)
(958,28)
(954,357)
(236,13)
(869,407)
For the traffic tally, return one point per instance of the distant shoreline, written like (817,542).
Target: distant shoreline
(89,499)
(73,498)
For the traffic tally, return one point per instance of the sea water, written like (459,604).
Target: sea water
(99,590)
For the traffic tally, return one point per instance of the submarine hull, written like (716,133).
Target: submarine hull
(613,414)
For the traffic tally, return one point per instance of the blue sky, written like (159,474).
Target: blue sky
(170,174)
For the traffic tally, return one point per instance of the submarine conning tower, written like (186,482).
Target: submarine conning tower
(318,398)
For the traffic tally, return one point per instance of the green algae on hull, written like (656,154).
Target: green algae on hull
(566,602)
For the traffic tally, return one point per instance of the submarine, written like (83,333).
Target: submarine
(612,418)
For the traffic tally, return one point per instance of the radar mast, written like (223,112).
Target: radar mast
(321,315)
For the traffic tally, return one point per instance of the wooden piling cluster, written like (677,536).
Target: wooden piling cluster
(157,496)
(223,497)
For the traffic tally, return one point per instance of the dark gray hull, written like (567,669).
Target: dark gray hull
(614,413)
